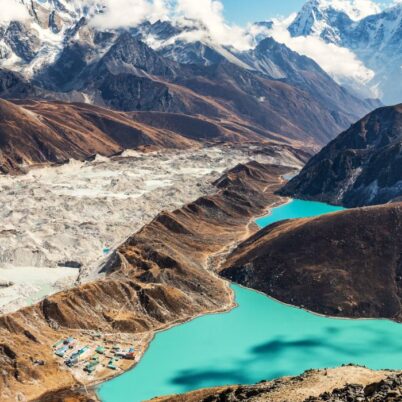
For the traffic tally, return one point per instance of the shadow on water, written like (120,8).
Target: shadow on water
(274,352)
(194,379)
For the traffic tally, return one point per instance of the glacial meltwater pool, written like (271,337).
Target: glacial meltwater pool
(261,339)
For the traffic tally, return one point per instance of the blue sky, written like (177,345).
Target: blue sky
(243,11)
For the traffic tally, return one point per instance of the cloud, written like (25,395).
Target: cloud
(210,14)
(210,24)
(11,10)
(356,9)
(339,62)
(129,13)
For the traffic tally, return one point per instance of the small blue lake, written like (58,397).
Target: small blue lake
(296,209)
(261,339)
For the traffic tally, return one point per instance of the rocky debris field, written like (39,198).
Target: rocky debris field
(67,220)
(388,389)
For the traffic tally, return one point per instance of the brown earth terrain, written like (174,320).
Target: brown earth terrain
(159,277)
(35,132)
(313,386)
(346,264)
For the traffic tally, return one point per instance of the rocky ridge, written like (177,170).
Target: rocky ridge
(389,389)
(45,132)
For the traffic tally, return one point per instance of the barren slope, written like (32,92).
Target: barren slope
(346,264)
(33,132)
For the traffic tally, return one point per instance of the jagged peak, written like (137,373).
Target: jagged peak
(354,9)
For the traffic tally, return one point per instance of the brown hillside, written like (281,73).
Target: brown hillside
(345,264)
(33,132)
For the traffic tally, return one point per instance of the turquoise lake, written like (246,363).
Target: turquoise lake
(261,339)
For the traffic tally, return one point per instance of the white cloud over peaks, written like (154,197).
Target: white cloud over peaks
(337,61)
(129,13)
(356,9)
(12,10)
(210,14)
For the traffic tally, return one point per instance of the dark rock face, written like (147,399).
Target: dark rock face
(346,264)
(13,85)
(131,93)
(362,166)
(21,41)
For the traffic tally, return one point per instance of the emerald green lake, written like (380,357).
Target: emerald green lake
(261,339)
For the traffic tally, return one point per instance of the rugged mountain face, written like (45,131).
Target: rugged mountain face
(277,61)
(362,166)
(330,19)
(346,264)
(36,37)
(157,278)
(312,386)
(374,36)
(131,76)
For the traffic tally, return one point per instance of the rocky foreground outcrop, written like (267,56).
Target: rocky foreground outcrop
(346,264)
(313,386)
(389,389)
(362,166)
(157,278)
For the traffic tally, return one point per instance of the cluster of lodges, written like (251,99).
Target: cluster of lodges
(74,355)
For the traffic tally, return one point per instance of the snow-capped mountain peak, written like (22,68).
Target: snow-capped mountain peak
(326,17)
(372,34)
(354,9)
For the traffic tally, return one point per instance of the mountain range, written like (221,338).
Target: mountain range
(56,52)
(374,36)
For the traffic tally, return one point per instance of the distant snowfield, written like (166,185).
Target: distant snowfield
(76,214)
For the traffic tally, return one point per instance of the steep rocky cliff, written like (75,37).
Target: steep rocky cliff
(362,166)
